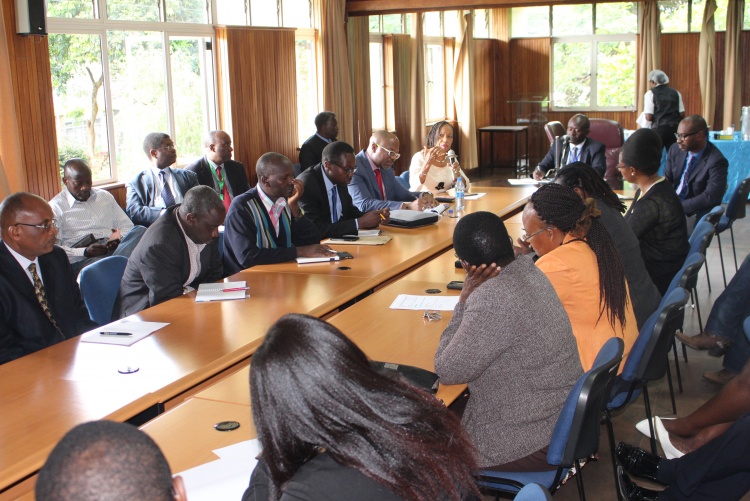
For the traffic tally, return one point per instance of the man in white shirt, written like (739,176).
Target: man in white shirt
(91,225)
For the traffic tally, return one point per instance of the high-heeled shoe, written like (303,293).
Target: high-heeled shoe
(642,426)
(670,451)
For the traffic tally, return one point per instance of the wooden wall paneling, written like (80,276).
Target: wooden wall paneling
(529,77)
(679,58)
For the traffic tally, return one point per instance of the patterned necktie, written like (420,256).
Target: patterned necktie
(334,203)
(41,296)
(573,155)
(379,177)
(166,191)
(225,193)
(683,186)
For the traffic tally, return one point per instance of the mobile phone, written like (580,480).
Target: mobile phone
(345,255)
(456,285)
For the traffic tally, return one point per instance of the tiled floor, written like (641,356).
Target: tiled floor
(597,475)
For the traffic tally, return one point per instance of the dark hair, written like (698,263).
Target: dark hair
(642,151)
(312,389)
(266,164)
(333,151)
(75,164)
(432,136)
(698,121)
(201,200)
(561,207)
(582,175)
(104,460)
(582,121)
(322,118)
(153,141)
(481,238)
(15,203)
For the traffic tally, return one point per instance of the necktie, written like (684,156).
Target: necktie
(334,204)
(379,177)
(41,296)
(683,186)
(223,188)
(166,191)
(573,155)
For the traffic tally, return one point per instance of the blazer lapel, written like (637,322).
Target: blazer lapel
(48,276)
(13,272)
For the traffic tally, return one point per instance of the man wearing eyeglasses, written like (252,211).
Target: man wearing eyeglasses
(578,148)
(374,185)
(696,169)
(40,302)
(152,191)
(326,200)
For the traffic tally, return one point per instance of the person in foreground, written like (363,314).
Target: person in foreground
(326,199)
(720,470)
(266,225)
(430,168)
(587,183)
(181,249)
(333,428)
(579,149)
(517,386)
(655,216)
(40,302)
(579,258)
(107,461)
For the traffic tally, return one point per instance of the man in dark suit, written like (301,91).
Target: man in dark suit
(217,170)
(374,185)
(326,199)
(578,149)
(696,168)
(312,150)
(179,250)
(40,302)
(155,189)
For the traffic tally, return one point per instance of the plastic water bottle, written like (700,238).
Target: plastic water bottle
(460,202)
(746,123)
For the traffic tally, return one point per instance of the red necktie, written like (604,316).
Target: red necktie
(227,201)
(379,177)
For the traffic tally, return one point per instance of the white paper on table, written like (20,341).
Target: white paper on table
(368,233)
(528,181)
(225,478)
(473,196)
(138,329)
(411,302)
(215,291)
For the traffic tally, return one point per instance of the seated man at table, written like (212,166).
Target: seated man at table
(266,225)
(104,460)
(696,169)
(374,185)
(40,302)
(159,187)
(82,211)
(326,199)
(311,152)
(579,148)
(178,251)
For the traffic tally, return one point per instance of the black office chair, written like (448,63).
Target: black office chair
(735,210)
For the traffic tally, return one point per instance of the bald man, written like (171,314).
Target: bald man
(374,185)
(40,302)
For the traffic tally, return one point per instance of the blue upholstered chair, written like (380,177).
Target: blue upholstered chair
(403,178)
(713,217)
(533,492)
(100,283)
(735,210)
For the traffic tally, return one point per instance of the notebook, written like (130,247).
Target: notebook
(221,291)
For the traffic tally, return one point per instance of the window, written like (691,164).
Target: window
(307,89)
(377,85)
(481,23)
(529,22)
(286,13)
(434,74)
(682,16)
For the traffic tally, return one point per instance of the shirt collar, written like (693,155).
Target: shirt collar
(697,154)
(71,199)
(268,203)
(24,262)
(329,184)
(324,139)
(212,164)
(369,160)
(155,171)
(188,240)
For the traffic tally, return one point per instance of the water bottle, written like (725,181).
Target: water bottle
(746,123)
(460,202)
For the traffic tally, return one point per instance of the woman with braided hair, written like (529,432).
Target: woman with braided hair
(431,169)
(580,259)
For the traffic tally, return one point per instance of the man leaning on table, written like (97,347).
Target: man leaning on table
(374,185)
(326,199)
(180,250)
(40,302)
(266,225)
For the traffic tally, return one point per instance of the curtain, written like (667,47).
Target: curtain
(707,63)
(733,64)
(416,97)
(12,178)
(463,82)
(359,69)
(398,64)
(500,24)
(337,87)
(649,47)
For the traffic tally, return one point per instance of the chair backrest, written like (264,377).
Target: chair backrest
(403,178)
(647,360)
(713,217)
(701,237)
(611,134)
(746,327)
(533,492)
(576,433)
(554,129)
(297,169)
(687,277)
(100,283)
(736,205)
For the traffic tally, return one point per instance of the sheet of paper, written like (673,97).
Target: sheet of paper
(137,331)
(411,302)
(473,196)
(309,260)
(368,233)
(215,292)
(376,240)
(225,478)
(523,182)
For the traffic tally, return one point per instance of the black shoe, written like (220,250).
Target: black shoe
(637,462)
(631,492)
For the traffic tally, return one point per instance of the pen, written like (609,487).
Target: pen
(115,333)
(234,289)
(382,216)
(333,251)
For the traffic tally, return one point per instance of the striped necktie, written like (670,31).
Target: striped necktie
(166,191)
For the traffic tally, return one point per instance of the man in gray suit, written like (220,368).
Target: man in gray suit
(179,250)
(159,187)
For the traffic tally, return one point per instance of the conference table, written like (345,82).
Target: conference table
(54,389)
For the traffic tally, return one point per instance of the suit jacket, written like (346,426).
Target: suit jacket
(707,182)
(24,328)
(315,203)
(235,177)
(250,239)
(365,191)
(593,154)
(141,195)
(160,265)
(311,151)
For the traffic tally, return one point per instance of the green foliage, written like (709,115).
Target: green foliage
(615,74)
(572,20)
(70,9)
(374,23)
(392,23)
(186,11)
(572,77)
(133,10)
(70,55)
(614,18)
(67,151)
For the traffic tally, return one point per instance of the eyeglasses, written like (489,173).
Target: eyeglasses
(393,154)
(169,147)
(347,171)
(42,226)
(682,137)
(526,237)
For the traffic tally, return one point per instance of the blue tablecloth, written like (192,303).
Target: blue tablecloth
(738,155)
